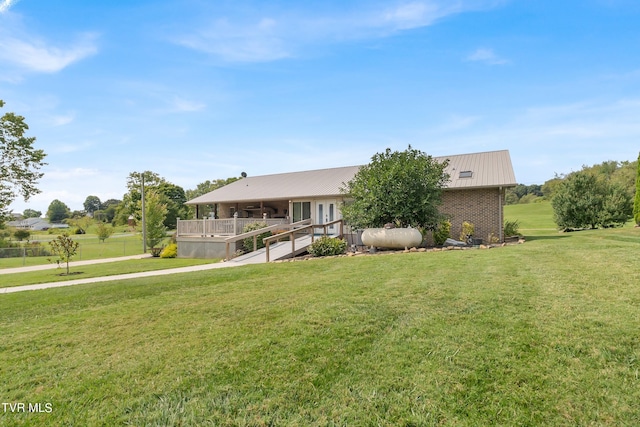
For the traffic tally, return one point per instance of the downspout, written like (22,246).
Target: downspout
(500,237)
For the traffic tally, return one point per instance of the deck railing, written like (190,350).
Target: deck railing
(220,227)
(311,229)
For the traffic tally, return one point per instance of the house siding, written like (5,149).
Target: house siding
(482,206)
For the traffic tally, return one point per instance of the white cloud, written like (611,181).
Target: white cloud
(183,105)
(5,5)
(487,56)
(38,56)
(255,42)
(62,120)
(267,38)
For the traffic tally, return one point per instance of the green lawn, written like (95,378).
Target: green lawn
(534,218)
(544,333)
(89,248)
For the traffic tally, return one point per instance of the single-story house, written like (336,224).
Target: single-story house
(475,193)
(35,224)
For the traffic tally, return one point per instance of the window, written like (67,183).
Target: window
(301,211)
(466,174)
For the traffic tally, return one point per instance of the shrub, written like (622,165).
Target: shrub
(327,246)
(511,228)
(170,251)
(22,234)
(248,242)
(442,232)
(467,230)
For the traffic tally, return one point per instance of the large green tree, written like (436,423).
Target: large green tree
(173,197)
(20,162)
(586,200)
(31,213)
(58,211)
(92,204)
(400,187)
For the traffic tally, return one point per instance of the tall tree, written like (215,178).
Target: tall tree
(636,200)
(156,211)
(20,162)
(92,204)
(174,198)
(30,213)
(404,188)
(58,211)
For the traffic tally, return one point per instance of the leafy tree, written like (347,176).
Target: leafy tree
(174,197)
(108,211)
(82,223)
(92,204)
(104,231)
(155,214)
(30,213)
(549,187)
(20,162)
(58,211)
(404,188)
(65,247)
(586,200)
(636,200)
(204,188)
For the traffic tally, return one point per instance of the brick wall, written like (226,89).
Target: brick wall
(482,207)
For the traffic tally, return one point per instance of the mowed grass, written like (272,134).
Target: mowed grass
(544,333)
(533,218)
(89,248)
(96,270)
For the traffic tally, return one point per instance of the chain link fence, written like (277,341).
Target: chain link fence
(35,253)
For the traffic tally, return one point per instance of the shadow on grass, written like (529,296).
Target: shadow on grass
(546,237)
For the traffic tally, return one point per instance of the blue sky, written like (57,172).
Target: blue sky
(197,90)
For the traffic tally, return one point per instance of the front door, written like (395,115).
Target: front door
(325,213)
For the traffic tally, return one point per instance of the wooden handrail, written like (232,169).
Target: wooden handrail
(267,240)
(256,233)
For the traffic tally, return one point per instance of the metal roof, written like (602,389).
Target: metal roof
(488,169)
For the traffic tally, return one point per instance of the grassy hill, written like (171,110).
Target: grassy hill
(544,333)
(534,218)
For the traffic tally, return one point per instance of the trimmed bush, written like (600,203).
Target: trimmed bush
(21,234)
(327,246)
(248,242)
(442,232)
(170,251)
(467,231)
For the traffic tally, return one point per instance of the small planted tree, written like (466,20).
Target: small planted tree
(65,247)
(104,231)
(156,212)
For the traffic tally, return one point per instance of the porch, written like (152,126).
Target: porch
(220,227)
(206,238)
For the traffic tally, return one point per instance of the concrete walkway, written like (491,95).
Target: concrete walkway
(128,276)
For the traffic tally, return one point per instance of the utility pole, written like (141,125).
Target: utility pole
(144,218)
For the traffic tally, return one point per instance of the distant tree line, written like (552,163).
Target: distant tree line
(117,212)
(622,174)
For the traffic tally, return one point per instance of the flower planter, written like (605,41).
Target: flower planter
(392,238)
